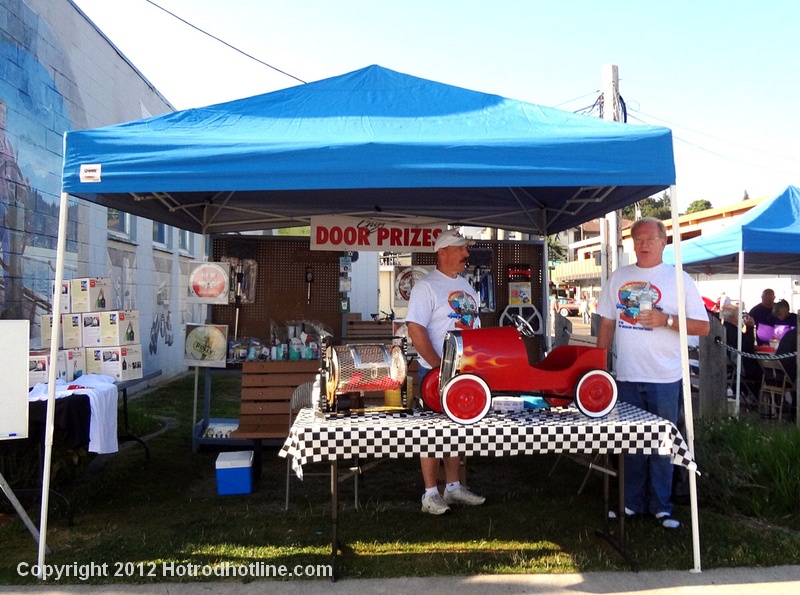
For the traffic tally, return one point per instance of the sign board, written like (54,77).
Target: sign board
(206,345)
(209,282)
(404,280)
(355,234)
(14,346)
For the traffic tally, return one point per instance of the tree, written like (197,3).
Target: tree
(660,208)
(555,249)
(699,205)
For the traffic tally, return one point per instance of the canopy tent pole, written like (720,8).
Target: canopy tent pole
(55,332)
(739,320)
(687,386)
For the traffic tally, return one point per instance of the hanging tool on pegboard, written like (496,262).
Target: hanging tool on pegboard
(309,281)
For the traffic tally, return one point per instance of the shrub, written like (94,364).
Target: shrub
(749,467)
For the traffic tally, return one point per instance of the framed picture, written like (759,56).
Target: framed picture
(209,282)
(205,345)
(404,280)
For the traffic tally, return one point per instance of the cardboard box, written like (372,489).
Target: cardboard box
(235,472)
(106,329)
(71,335)
(90,329)
(66,300)
(39,367)
(47,331)
(91,294)
(122,362)
(75,360)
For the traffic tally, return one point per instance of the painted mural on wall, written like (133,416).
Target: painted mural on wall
(50,70)
(33,116)
(161,330)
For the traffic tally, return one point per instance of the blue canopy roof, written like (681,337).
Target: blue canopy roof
(370,143)
(769,236)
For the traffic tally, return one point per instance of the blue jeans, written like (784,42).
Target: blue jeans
(422,371)
(648,478)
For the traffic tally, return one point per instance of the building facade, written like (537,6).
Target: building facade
(60,73)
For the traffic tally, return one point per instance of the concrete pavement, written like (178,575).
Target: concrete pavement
(778,580)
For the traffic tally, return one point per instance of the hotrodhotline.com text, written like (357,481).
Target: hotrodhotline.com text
(154,570)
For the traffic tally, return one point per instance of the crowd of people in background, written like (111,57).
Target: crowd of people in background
(769,327)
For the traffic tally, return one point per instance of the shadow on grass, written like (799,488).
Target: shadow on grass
(168,512)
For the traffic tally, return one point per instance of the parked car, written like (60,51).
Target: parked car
(568,307)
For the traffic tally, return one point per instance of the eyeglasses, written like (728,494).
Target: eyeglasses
(654,240)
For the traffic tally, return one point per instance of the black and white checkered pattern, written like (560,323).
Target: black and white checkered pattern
(626,429)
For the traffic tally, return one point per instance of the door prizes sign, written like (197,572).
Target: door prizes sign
(209,282)
(206,345)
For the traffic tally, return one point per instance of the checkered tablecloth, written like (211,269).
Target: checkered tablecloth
(314,438)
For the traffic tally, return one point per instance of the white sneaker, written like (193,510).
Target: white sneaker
(463,495)
(434,504)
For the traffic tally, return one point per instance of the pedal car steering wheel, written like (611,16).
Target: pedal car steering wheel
(523,326)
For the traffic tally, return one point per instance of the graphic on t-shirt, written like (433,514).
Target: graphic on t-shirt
(464,308)
(635,296)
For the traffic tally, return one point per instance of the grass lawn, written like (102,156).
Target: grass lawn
(136,516)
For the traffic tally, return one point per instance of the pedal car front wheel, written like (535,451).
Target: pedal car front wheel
(466,398)
(596,393)
(430,391)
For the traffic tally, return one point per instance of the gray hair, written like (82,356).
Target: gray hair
(729,313)
(662,229)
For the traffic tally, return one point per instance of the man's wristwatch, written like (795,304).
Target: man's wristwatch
(670,320)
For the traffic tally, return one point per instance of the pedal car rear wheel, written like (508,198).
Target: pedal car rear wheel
(466,398)
(596,393)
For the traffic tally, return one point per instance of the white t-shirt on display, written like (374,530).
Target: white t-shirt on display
(441,303)
(647,355)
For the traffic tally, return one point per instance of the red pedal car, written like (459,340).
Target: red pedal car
(478,363)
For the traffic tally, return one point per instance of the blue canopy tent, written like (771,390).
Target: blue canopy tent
(764,240)
(372,143)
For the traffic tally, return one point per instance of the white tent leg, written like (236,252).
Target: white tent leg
(687,386)
(739,334)
(51,382)
(6,489)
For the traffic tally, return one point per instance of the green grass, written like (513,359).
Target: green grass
(167,511)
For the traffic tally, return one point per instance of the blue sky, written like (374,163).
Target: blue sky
(722,74)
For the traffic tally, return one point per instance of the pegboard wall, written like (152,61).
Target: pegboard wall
(281,293)
(503,254)
(281,290)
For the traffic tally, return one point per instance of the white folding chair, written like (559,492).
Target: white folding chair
(301,397)
(773,387)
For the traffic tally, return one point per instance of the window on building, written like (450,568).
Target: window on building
(184,241)
(119,223)
(160,234)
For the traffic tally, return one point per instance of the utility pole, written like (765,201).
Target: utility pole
(611,113)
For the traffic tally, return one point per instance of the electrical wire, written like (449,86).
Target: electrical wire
(725,140)
(715,154)
(576,98)
(215,38)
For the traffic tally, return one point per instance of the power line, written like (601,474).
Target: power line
(576,98)
(725,140)
(214,37)
(714,153)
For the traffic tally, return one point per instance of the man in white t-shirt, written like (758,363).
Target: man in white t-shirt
(441,301)
(639,310)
